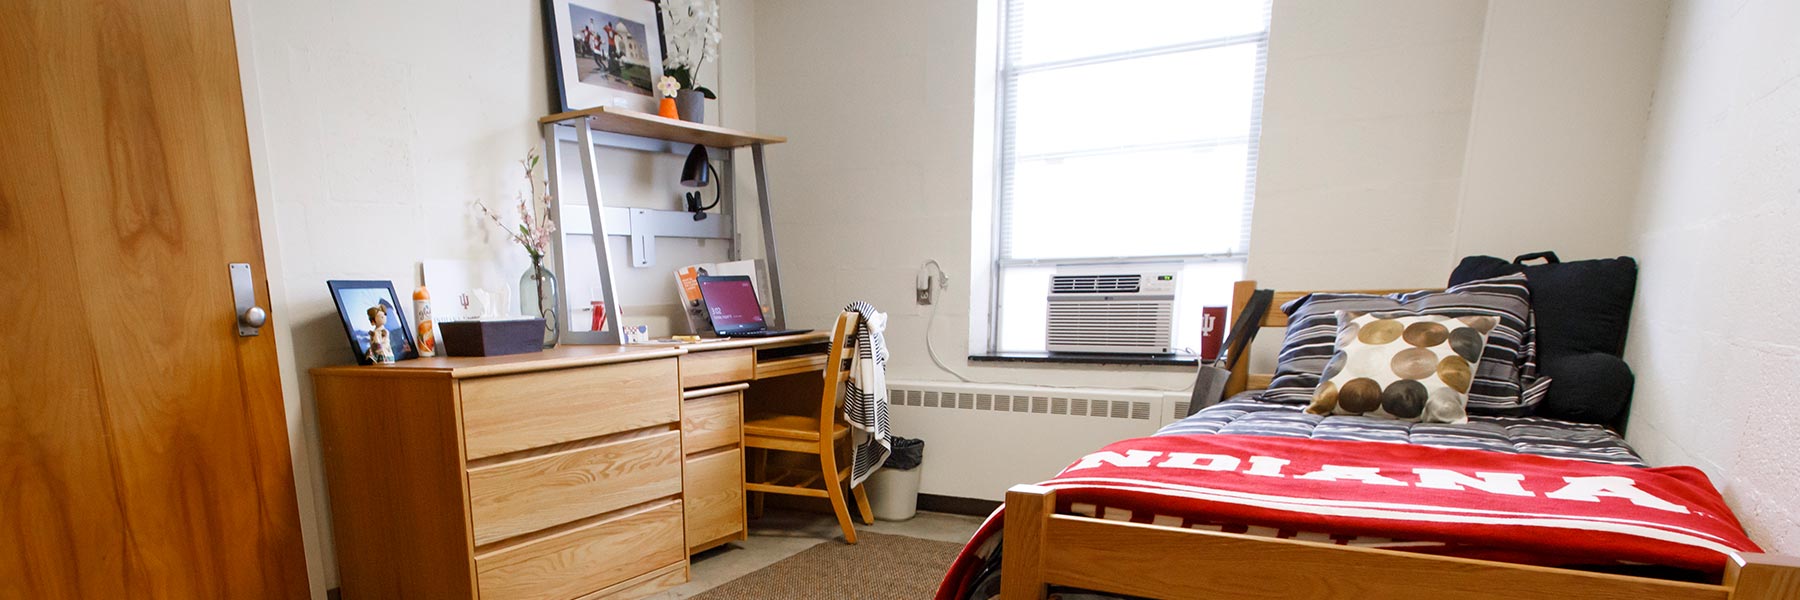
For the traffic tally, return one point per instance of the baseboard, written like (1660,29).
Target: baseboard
(957,506)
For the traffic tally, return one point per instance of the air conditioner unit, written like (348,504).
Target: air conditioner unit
(1116,312)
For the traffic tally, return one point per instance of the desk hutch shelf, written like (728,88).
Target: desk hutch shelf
(619,128)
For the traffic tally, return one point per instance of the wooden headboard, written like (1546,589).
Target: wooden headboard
(1241,377)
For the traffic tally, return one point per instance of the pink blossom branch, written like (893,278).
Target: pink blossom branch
(534,230)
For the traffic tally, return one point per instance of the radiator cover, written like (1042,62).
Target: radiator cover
(981,439)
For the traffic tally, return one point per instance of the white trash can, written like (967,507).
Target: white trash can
(894,494)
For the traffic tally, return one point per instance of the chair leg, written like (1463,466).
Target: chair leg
(834,489)
(759,469)
(862,505)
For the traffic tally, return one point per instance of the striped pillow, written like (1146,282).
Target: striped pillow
(1506,380)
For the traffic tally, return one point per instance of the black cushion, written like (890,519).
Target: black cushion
(1483,267)
(1582,306)
(1592,387)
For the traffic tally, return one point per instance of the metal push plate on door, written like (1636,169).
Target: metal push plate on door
(250,317)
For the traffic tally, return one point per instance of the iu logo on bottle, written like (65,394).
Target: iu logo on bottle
(1212,332)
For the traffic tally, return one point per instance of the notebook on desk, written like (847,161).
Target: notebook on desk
(731,302)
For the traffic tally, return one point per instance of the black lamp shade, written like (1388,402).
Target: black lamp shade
(693,171)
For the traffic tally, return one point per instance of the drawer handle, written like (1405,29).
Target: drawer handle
(716,390)
(711,452)
(574,447)
(497,548)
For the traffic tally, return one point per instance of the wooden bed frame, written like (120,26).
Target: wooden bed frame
(1043,548)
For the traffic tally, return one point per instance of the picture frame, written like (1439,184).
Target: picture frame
(353,299)
(605,52)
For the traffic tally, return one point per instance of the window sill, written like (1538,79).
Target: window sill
(1084,358)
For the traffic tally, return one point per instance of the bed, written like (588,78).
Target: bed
(1075,553)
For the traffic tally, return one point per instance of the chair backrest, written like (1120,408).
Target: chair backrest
(837,371)
(1241,378)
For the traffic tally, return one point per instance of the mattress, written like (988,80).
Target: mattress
(1244,414)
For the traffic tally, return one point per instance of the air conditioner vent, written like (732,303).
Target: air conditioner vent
(1096,284)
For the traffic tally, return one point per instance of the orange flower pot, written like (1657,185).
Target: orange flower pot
(667,109)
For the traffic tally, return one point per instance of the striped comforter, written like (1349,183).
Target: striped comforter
(1243,414)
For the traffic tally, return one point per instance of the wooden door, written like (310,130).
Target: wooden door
(143,446)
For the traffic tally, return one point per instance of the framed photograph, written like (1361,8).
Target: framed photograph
(365,306)
(605,52)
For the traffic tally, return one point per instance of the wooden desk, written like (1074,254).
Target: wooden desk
(715,376)
(579,472)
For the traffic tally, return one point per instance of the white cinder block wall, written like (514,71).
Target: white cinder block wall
(1366,116)
(1402,135)
(1714,336)
(1555,142)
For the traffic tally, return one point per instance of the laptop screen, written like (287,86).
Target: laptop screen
(731,302)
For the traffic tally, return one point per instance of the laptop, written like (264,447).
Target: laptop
(731,302)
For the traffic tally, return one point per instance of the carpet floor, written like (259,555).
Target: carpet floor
(878,567)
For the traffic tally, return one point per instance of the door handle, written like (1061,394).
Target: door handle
(250,317)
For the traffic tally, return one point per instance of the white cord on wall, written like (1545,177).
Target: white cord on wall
(942,283)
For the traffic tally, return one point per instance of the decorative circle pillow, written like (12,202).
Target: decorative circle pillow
(1506,378)
(1408,367)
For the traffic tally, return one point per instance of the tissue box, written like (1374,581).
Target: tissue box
(493,337)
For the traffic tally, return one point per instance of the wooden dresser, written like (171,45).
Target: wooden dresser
(556,475)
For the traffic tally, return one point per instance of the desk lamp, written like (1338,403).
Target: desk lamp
(694,174)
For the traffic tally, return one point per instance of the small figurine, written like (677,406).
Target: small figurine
(422,316)
(381,348)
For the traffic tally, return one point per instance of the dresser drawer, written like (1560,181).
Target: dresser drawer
(714,367)
(517,412)
(643,586)
(712,421)
(714,496)
(522,496)
(585,559)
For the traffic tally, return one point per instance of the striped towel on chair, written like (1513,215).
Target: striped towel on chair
(866,394)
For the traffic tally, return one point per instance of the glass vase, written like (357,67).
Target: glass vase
(537,298)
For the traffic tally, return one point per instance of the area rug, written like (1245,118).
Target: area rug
(878,567)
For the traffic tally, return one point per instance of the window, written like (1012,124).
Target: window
(1127,140)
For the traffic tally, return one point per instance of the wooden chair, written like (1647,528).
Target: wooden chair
(815,434)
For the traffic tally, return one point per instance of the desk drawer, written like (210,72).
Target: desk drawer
(714,496)
(643,586)
(517,412)
(714,367)
(712,421)
(517,497)
(571,563)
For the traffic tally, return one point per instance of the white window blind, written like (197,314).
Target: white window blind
(1128,136)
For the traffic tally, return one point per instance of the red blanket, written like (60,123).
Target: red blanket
(1515,507)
